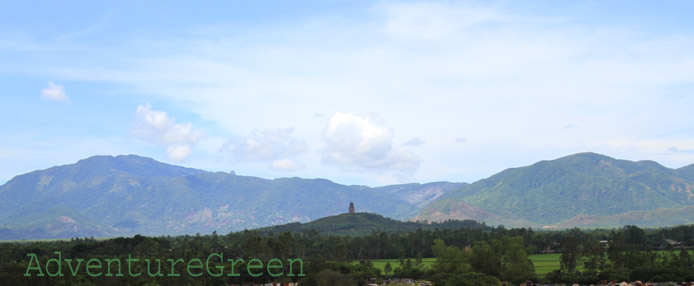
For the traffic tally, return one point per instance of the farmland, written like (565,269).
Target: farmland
(544,263)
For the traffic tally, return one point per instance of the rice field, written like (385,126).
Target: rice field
(545,263)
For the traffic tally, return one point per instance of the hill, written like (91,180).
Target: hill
(570,190)
(366,223)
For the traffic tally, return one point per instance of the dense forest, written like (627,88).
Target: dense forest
(465,256)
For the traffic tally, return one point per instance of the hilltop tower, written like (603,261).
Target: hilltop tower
(351,207)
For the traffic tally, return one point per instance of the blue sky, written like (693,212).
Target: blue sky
(359,92)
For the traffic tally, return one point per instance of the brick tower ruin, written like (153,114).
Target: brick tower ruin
(351,207)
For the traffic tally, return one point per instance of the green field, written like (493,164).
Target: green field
(544,263)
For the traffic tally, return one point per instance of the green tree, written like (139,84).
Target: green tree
(485,259)
(616,251)
(570,254)
(472,279)
(517,266)
(594,253)
(451,260)
(418,259)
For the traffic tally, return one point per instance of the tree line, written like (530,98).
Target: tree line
(478,256)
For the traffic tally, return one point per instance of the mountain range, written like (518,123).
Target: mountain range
(125,195)
(584,190)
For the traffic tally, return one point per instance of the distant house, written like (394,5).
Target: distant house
(674,243)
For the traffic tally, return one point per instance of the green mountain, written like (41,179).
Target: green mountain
(686,172)
(569,190)
(125,195)
(652,218)
(366,223)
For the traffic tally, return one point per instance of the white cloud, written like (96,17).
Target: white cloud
(286,165)
(415,141)
(178,152)
(361,143)
(155,126)
(267,145)
(54,92)
(675,149)
(460,140)
(429,20)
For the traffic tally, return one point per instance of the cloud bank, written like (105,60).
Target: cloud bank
(277,146)
(415,141)
(157,127)
(362,143)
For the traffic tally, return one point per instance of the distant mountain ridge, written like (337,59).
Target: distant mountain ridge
(124,195)
(567,191)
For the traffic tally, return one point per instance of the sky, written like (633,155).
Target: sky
(358,92)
